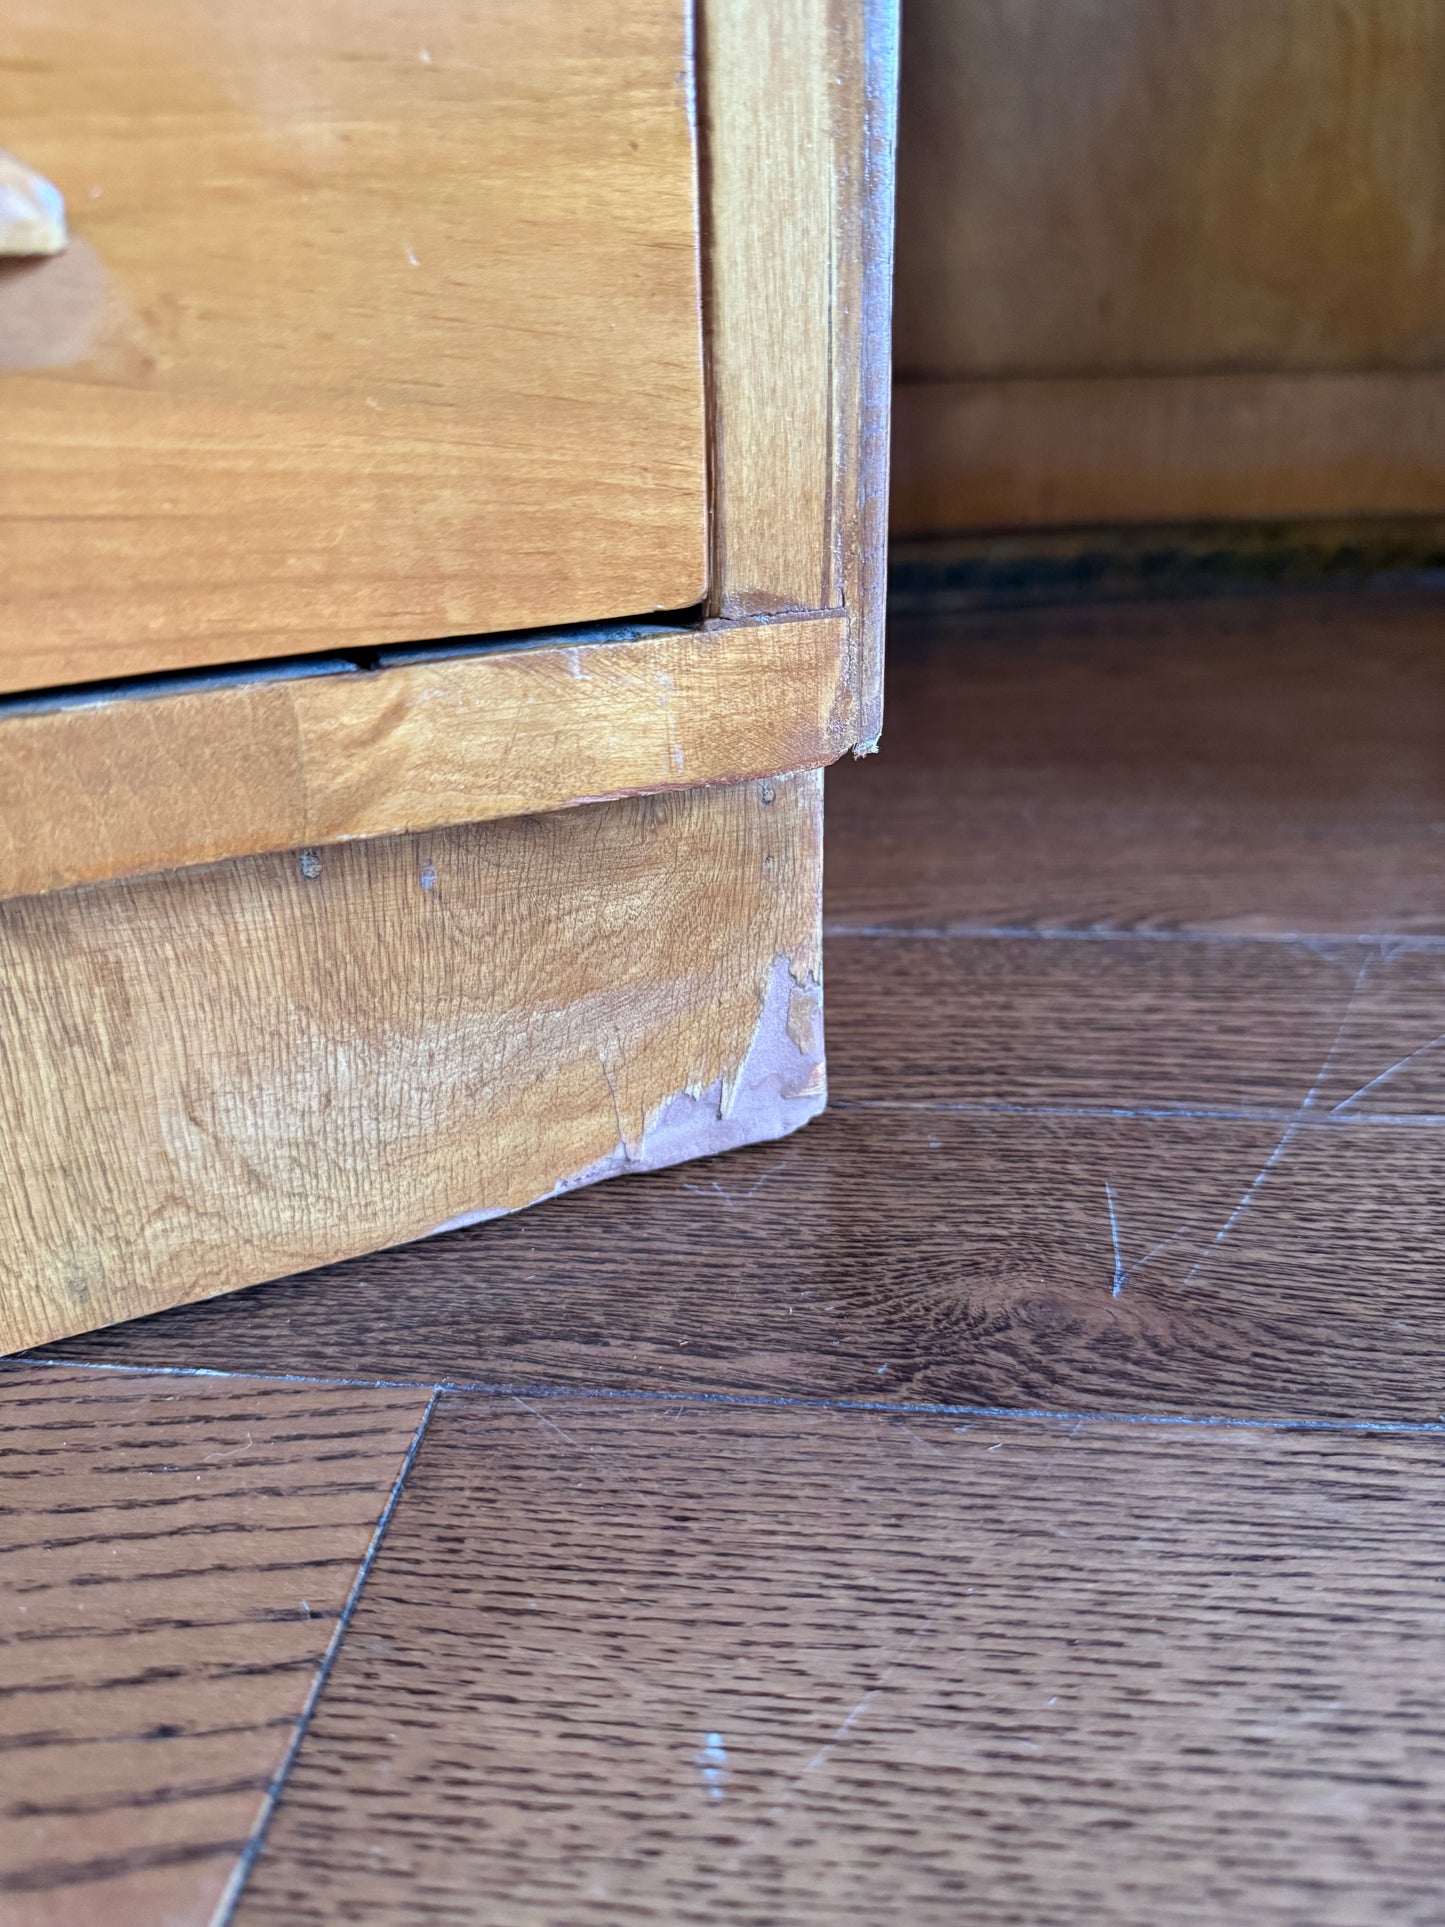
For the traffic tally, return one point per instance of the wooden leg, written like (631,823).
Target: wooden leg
(225,1074)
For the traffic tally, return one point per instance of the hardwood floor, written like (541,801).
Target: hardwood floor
(1261,766)
(1112,1286)
(175,1558)
(672,1664)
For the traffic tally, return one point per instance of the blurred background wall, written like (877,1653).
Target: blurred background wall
(1169,260)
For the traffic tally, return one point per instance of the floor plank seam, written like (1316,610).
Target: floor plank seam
(781,1401)
(256,1840)
(1392,940)
(1160,1113)
(476,1388)
(1215,1421)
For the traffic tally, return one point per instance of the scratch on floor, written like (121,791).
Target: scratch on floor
(712,1763)
(1399,1065)
(1184,1230)
(1119,1272)
(1290,1129)
(834,1741)
(610,1472)
(735,1197)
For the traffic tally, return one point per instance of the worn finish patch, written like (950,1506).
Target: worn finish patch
(32,211)
(777,1088)
(66,312)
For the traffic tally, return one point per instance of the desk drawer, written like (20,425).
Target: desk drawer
(379,323)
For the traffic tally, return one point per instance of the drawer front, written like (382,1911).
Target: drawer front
(380,322)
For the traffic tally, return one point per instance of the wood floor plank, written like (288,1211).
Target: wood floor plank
(688,1664)
(1120,1025)
(175,1554)
(1261,765)
(916,1255)
(1127,1025)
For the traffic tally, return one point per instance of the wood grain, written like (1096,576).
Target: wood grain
(750,1629)
(1229,1031)
(1046,454)
(671,1663)
(1234,769)
(1177,260)
(222,1074)
(771,192)
(1256,766)
(175,1557)
(1172,1028)
(153,780)
(1170,187)
(638,1654)
(1325,1299)
(866,116)
(376,326)
(799,116)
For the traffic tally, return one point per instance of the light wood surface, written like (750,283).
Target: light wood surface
(771,192)
(377,325)
(400,1024)
(1170,186)
(866,110)
(223,1074)
(1040,454)
(799,118)
(828,1667)
(175,1559)
(150,781)
(1101,210)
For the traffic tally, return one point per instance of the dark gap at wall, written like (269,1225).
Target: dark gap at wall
(1015,568)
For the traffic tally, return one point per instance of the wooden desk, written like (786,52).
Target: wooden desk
(442,504)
